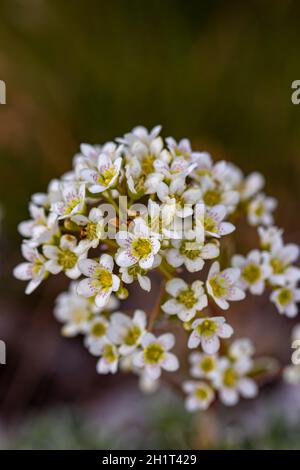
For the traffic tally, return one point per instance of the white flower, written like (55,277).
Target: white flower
(100,281)
(93,227)
(74,311)
(285,299)
(96,335)
(177,197)
(135,272)
(200,395)
(222,286)
(127,332)
(137,247)
(240,353)
(213,222)
(214,194)
(104,176)
(252,185)
(186,300)
(203,365)
(281,259)
(72,201)
(155,355)
(231,383)
(207,331)
(191,253)
(108,363)
(64,257)
(254,271)
(260,210)
(270,237)
(34,270)
(41,228)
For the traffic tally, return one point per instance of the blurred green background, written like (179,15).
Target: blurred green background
(217,72)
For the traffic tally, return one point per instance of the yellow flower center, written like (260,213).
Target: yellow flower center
(107,176)
(212,197)
(207,328)
(189,250)
(153,353)
(218,286)
(230,377)
(147,164)
(98,329)
(277,265)
(210,224)
(92,231)
(251,273)
(132,335)
(207,364)
(201,393)
(105,278)
(67,259)
(187,298)
(260,210)
(72,203)
(141,247)
(109,353)
(285,296)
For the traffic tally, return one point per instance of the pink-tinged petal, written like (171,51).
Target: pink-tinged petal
(28,252)
(210,251)
(23,271)
(218,212)
(170,362)
(125,258)
(247,387)
(194,340)
(88,267)
(175,286)
(229,396)
(124,239)
(211,344)
(231,275)
(146,263)
(155,245)
(153,371)
(97,188)
(90,176)
(87,288)
(214,269)
(234,294)
(225,228)
(167,341)
(225,330)
(107,262)
(102,298)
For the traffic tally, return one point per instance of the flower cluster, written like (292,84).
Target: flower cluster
(139,204)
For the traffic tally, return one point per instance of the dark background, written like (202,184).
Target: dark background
(219,73)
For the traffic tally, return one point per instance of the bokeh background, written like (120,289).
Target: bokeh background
(219,73)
